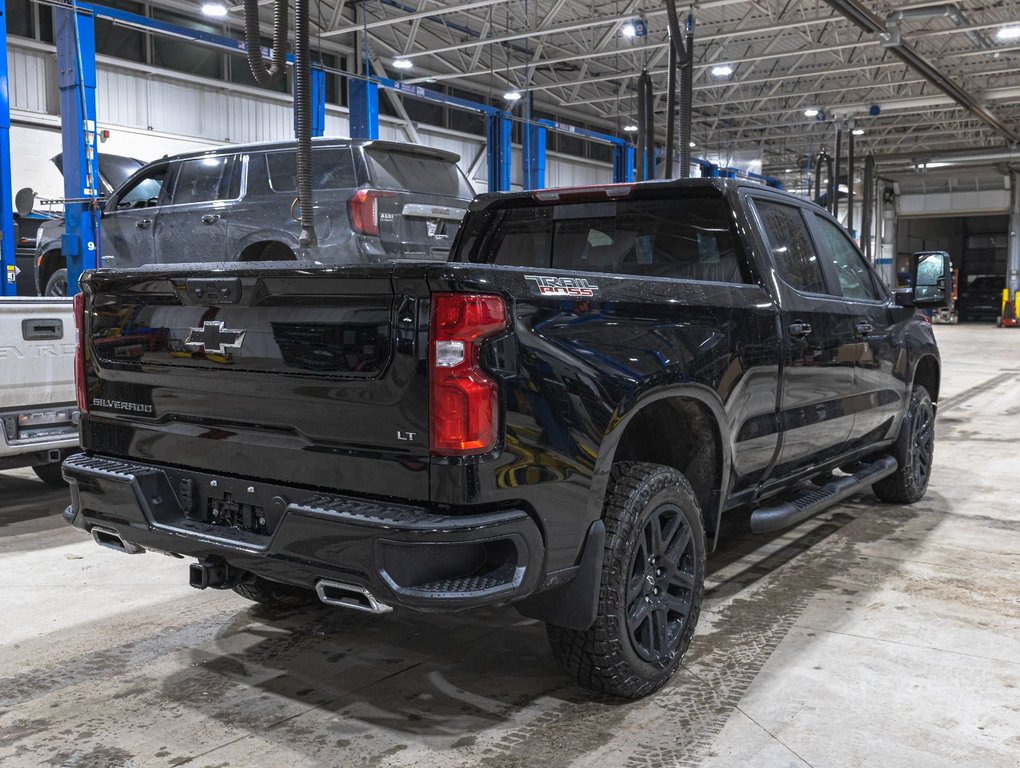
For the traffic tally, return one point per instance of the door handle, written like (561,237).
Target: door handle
(210,218)
(864,328)
(143,223)
(799,330)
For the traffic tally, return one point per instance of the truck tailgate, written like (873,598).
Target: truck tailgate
(37,351)
(310,376)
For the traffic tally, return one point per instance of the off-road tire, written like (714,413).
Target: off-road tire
(50,474)
(267,592)
(913,450)
(607,657)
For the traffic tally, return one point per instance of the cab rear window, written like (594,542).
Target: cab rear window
(686,238)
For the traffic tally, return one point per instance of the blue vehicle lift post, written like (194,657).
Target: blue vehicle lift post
(318,102)
(8,287)
(76,75)
(533,155)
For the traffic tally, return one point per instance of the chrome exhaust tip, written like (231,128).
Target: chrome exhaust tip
(109,538)
(349,596)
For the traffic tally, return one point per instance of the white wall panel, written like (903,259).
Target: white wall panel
(31,75)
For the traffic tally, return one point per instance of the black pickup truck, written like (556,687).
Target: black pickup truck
(557,418)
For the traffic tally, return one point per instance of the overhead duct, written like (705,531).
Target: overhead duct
(990,157)
(872,24)
(868,203)
(302,92)
(681,54)
(893,34)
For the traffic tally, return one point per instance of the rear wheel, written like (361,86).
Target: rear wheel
(914,450)
(267,592)
(50,474)
(57,284)
(653,577)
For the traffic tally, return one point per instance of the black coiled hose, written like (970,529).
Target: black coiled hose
(253,39)
(303,114)
(686,101)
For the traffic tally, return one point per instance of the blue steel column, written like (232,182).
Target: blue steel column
(533,152)
(363,103)
(497,149)
(318,102)
(8,286)
(623,163)
(76,76)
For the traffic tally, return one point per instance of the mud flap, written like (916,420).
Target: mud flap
(574,604)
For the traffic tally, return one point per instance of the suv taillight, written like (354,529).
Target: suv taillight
(79,353)
(363,209)
(463,401)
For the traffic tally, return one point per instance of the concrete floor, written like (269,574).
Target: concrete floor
(871,635)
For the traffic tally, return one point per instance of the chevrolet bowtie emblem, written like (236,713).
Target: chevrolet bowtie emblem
(213,338)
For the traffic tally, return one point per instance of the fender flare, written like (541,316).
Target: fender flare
(621,418)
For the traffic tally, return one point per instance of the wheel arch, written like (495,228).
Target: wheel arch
(50,261)
(701,450)
(253,250)
(927,373)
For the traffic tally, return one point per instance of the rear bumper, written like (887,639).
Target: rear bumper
(406,555)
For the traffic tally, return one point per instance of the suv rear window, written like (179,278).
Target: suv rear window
(332,168)
(686,238)
(417,173)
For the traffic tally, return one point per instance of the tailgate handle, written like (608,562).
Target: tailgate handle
(222,290)
(42,330)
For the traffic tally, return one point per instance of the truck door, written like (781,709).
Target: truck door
(192,226)
(818,378)
(878,393)
(129,217)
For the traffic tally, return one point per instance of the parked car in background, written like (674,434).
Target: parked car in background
(980,297)
(26,232)
(374,201)
(38,414)
(49,270)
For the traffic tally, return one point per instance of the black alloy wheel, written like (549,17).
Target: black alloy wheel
(661,585)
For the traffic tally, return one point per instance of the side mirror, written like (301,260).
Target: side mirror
(932,278)
(24,201)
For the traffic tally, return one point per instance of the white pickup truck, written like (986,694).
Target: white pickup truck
(38,411)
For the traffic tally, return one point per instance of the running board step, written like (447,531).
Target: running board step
(811,501)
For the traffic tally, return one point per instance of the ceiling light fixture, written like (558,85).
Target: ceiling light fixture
(1008,33)
(402,64)
(512,95)
(214,9)
(811,112)
(858,131)
(693,145)
(630,128)
(722,70)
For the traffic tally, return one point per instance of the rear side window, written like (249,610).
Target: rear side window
(685,238)
(791,246)
(203,180)
(417,173)
(332,168)
(855,280)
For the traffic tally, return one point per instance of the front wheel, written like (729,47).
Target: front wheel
(914,451)
(653,576)
(57,284)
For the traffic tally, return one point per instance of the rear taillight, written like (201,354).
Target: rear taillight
(79,353)
(363,209)
(462,399)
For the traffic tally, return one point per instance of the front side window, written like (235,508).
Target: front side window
(791,247)
(145,190)
(202,180)
(855,280)
(687,238)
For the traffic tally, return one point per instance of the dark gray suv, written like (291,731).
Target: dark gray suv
(374,201)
